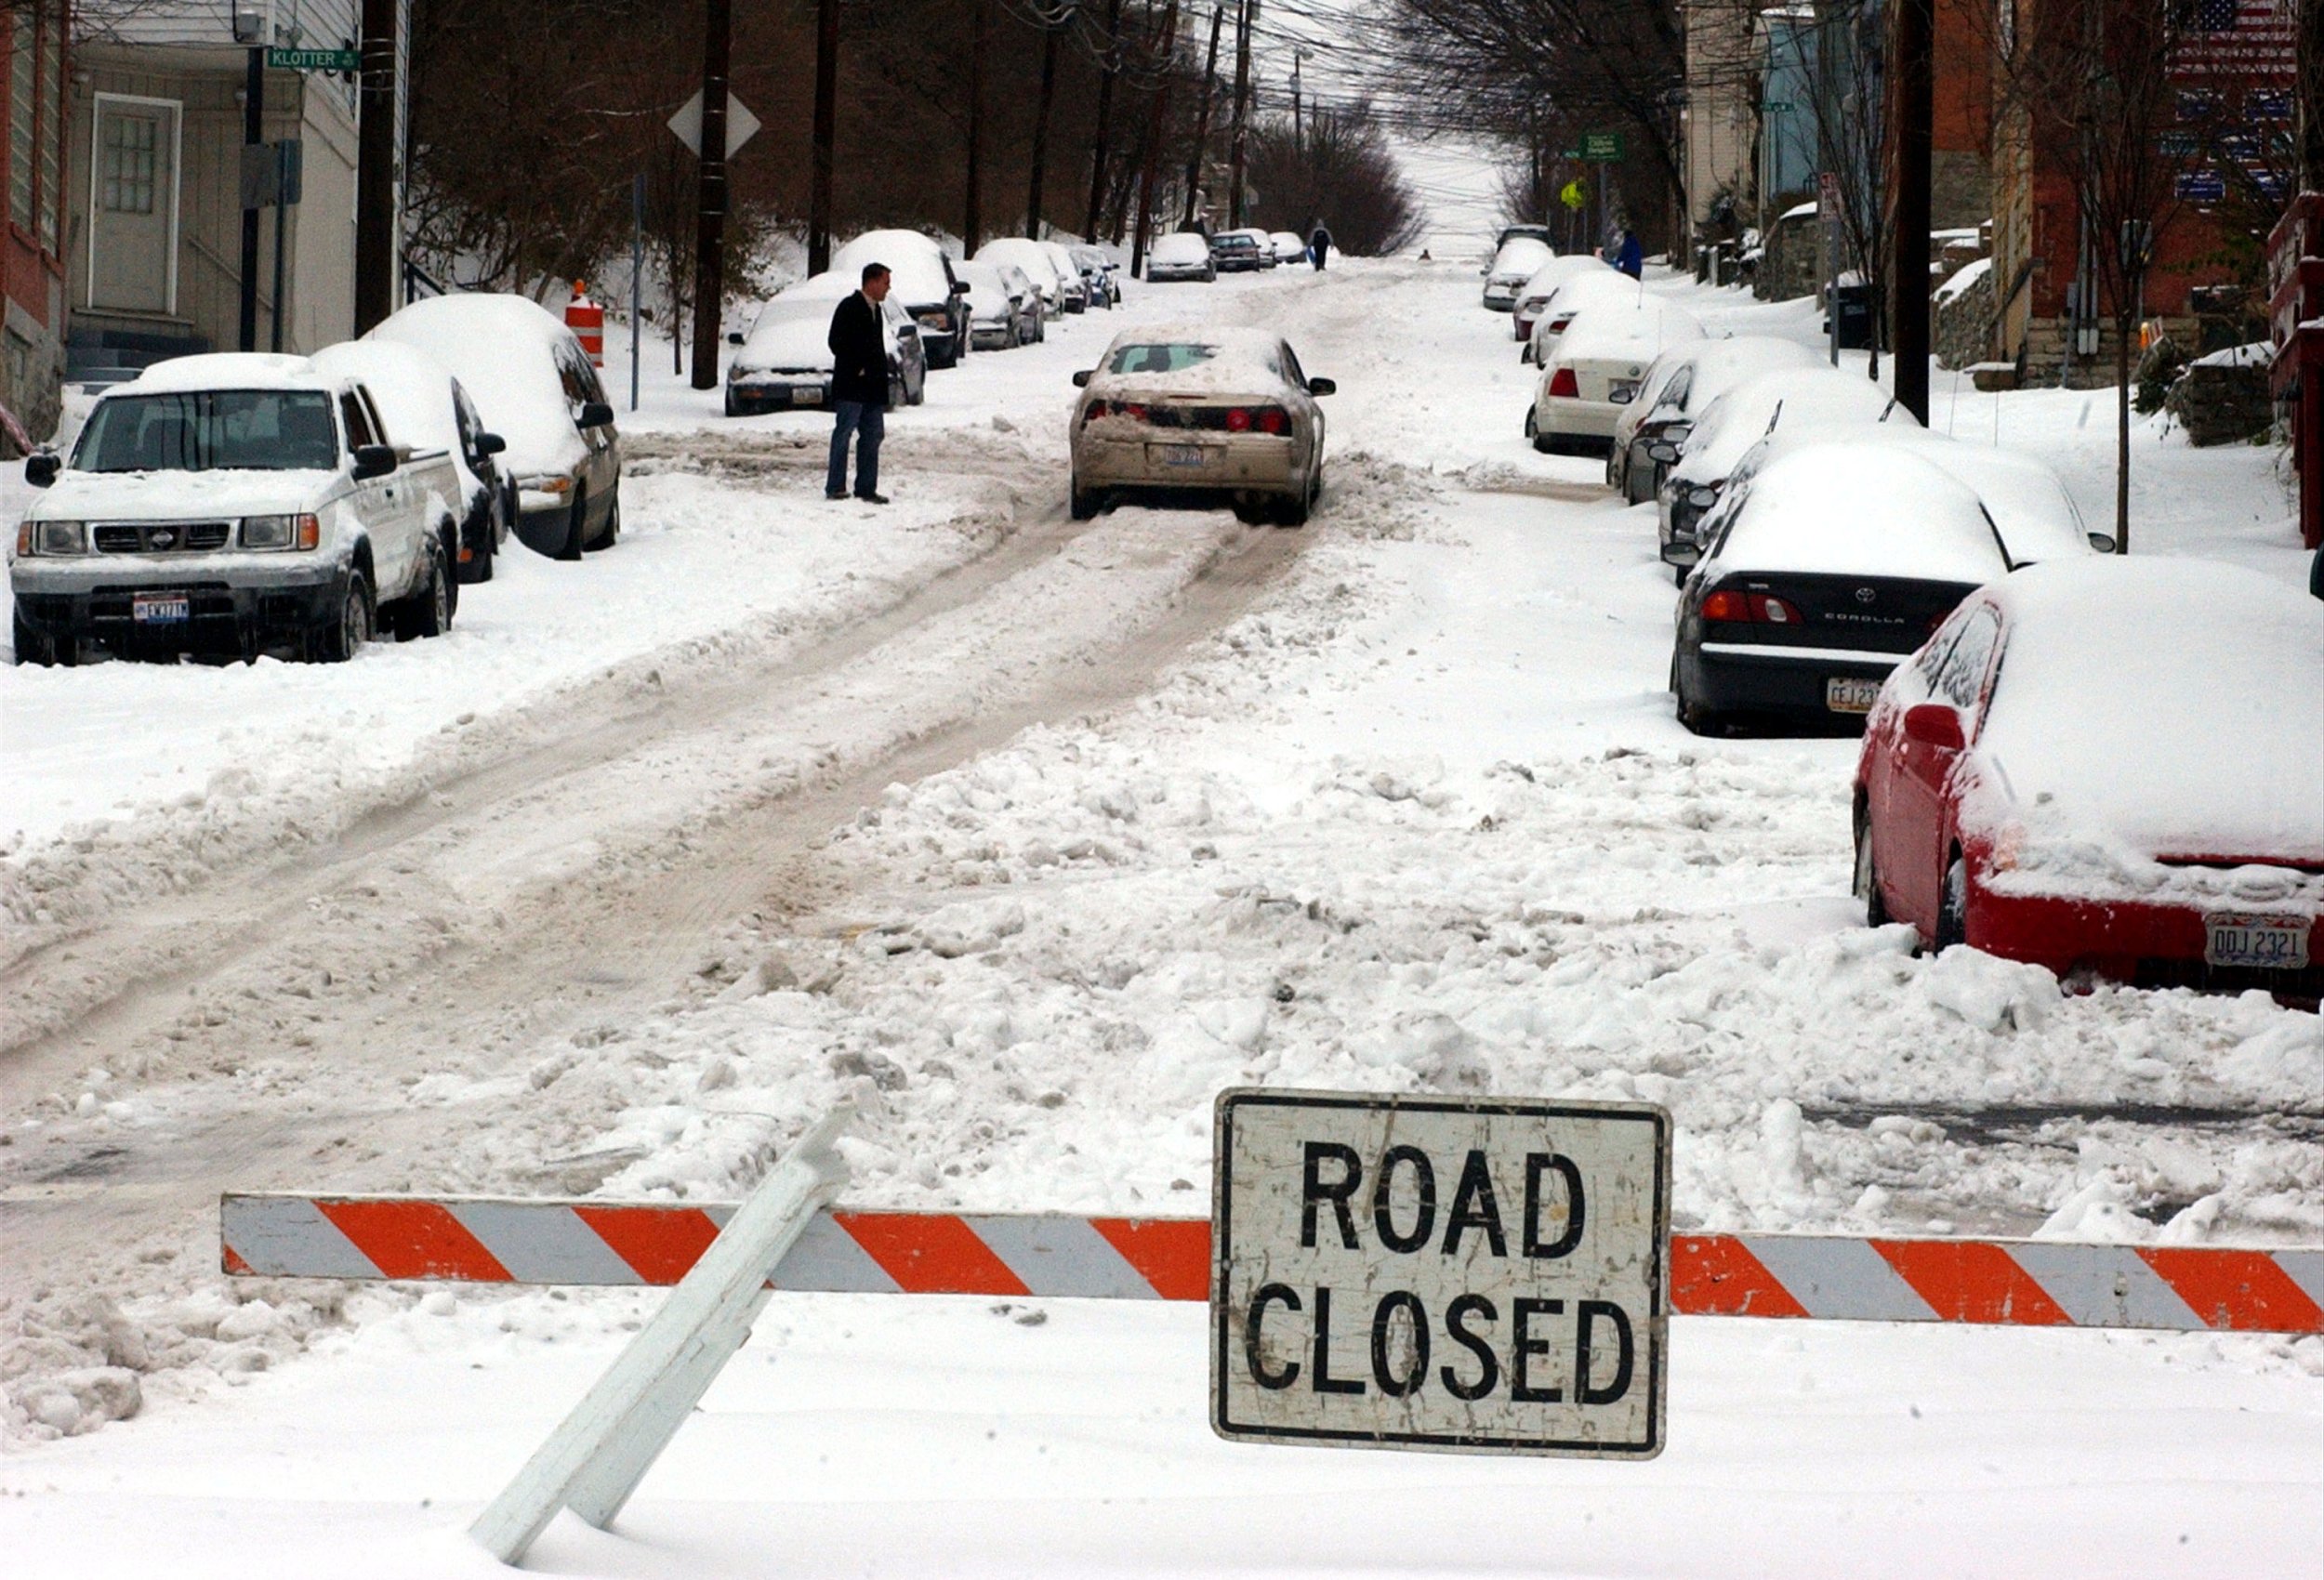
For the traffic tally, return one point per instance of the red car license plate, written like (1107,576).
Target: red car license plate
(2269,943)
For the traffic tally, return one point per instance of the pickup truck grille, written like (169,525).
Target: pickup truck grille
(160,537)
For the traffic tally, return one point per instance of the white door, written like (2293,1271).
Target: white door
(133,208)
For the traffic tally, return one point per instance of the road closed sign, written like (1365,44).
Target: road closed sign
(1470,1276)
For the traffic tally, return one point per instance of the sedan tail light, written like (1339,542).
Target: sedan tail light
(1130,409)
(1563,383)
(1750,609)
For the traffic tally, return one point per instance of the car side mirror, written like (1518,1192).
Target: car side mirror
(735,337)
(1081,379)
(2103,542)
(1681,552)
(41,469)
(490,444)
(374,461)
(595,414)
(1323,386)
(1662,450)
(1936,725)
(961,290)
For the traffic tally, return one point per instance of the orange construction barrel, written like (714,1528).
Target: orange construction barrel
(587,321)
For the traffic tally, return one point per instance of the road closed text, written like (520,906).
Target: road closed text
(1425,1272)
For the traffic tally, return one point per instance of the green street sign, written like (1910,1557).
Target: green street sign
(315,59)
(1603,147)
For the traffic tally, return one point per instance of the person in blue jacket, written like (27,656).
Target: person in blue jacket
(1631,259)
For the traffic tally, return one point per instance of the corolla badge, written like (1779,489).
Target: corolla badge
(1866,595)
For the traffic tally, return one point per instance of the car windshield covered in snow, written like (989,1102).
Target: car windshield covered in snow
(210,430)
(1174,356)
(1181,246)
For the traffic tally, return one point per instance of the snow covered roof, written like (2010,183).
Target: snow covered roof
(228,370)
(2257,354)
(1796,212)
(504,351)
(2205,742)
(1622,330)
(1842,508)
(1240,360)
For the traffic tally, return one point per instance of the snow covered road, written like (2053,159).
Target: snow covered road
(1026,837)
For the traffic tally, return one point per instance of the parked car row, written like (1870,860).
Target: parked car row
(230,505)
(2043,722)
(1192,255)
(938,310)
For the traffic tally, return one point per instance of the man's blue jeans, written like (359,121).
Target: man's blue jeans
(870,421)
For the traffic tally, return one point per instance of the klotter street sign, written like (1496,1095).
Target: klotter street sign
(1480,1276)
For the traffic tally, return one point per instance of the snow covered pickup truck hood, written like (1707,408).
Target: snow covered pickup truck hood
(182,496)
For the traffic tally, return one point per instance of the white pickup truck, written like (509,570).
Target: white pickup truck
(232,504)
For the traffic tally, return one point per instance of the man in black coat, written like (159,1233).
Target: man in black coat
(859,387)
(1319,247)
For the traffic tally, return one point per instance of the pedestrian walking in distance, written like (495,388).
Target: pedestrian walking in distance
(1319,247)
(859,387)
(1629,259)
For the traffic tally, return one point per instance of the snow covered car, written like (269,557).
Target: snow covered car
(997,308)
(1684,380)
(534,385)
(1032,307)
(1182,255)
(2030,503)
(1557,314)
(2048,780)
(230,505)
(1596,371)
(1514,262)
(425,407)
(1525,307)
(1240,252)
(1816,400)
(920,282)
(1825,570)
(1289,247)
(1097,273)
(1219,414)
(784,362)
(1039,266)
(1073,291)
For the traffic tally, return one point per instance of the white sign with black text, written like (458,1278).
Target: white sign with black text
(1479,1276)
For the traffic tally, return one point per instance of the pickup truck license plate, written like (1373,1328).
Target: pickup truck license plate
(1851,695)
(806,394)
(1183,454)
(160,609)
(2270,942)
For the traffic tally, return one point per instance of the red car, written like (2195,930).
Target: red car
(2111,767)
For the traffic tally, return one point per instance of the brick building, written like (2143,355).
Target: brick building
(33,59)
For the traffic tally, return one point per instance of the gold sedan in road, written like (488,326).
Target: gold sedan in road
(1200,416)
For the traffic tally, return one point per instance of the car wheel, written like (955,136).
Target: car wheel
(30,646)
(1082,503)
(731,409)
(1866,885)
(1292,511)
(612,534)
(340,635)
(1952,905)
(427,611)
(1697,719)
(576,525)
(915,390)
(1532,422)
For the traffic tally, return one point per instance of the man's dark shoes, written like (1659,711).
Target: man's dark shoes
(873,498)
(835,494)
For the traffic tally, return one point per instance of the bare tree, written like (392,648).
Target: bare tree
(1340,173)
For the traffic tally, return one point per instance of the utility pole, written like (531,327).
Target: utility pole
(1040,129)
(1247,12)
(1106,115)
(973,207)
(1202,117)
(710,187)
(1298,141)
(1151,137)
(253,135)
(826,114)
(374,170)
(1915,98)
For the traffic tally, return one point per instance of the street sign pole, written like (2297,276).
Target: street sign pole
(1828,210)
(637,272)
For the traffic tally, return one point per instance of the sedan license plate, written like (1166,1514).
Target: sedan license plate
(1182,454)
(1851,695)
(2269,943)
(806,394)
(160,609)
